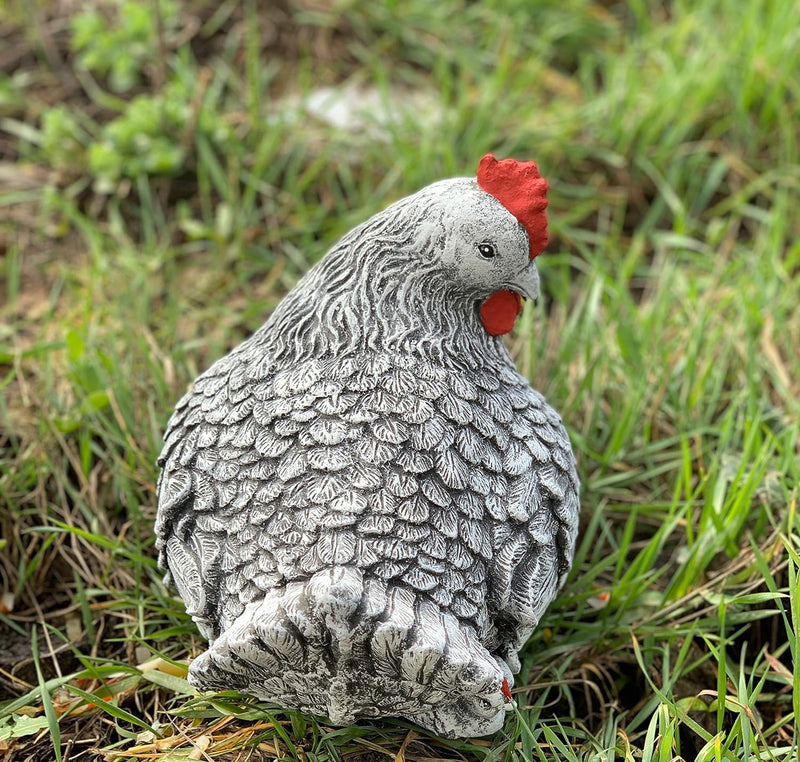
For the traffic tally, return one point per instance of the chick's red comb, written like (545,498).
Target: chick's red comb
(519,187)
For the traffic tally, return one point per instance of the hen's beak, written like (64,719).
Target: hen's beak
(527,283)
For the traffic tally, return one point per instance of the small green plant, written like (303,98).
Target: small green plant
(62,140)
(152,136)
(117,39)
(139,141)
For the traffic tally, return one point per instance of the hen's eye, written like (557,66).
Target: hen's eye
(486,250)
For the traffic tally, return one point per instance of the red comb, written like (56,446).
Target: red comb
(519,187)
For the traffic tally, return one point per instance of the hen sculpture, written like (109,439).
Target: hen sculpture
(364,506)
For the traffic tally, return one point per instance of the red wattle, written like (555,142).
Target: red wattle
(499,312)
(505,690)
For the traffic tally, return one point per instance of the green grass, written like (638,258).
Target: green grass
(155,204)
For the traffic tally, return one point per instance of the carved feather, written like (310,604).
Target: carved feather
(367,487)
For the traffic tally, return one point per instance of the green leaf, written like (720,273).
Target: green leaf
(76,347)
(112,709)
(47,701)
(20,725)
(171,682)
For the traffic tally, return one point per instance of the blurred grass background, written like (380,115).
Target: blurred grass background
(169,169)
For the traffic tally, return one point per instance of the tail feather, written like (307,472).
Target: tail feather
(427,649)
(342,646)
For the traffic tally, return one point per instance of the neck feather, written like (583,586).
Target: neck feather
(382,288)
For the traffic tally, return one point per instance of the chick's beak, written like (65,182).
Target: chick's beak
(527,283)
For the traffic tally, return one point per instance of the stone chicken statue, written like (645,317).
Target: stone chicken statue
(364,506)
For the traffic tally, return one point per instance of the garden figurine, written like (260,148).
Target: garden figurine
(364,506)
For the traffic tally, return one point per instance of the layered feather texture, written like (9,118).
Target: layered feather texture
(365,507)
